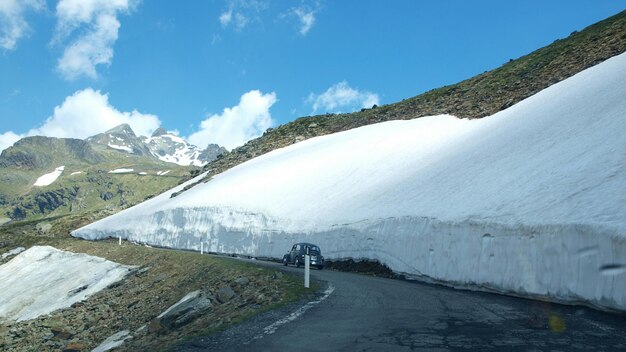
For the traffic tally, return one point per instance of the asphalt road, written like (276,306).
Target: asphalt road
(366,313)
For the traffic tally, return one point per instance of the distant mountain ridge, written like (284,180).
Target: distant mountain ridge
(47,176)
(162,145)
(39,152)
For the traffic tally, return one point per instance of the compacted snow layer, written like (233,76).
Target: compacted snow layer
(47,179)
(528,201)
(43,279)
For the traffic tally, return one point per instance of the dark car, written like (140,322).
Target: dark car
(296,255)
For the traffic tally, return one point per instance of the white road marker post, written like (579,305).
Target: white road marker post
(307,268)
(120,240)
(201,247)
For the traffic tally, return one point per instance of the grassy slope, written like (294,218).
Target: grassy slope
(93,190)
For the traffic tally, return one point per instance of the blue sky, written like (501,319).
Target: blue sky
(225,70)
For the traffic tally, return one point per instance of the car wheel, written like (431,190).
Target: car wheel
(296,262)
(320,267)
(285,261)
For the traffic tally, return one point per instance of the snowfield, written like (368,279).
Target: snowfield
(530,201)
(43,279)
(47,179)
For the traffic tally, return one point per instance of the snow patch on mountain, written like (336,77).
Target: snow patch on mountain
(121,147)
(47,179)
(528,201)
(121,171)
(43,279)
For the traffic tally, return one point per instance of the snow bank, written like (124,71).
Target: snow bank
(43,279)
(163,173)
(121,171)
(14,251)
(76,173)
(528,201)
(47,179)
(121,147)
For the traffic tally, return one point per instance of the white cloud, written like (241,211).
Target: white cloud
(341,97)
(13,26)
(241,12)
(306,18)
(238,124)
(7,139)
(83,114)
(97,26)
(226,17)
(88,112)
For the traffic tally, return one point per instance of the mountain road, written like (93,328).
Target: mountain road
(355,312)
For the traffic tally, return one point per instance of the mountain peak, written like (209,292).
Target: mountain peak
(122,129)
(159,132)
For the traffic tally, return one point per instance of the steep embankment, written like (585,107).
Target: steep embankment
(482,95)
(527,201)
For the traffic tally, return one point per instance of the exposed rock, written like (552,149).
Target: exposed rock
(225,294)
(159,132)
(113,341)
(62,333)
(121,138)
(43,227)
(106,196)
(212,152)
(182,312)
(242,281)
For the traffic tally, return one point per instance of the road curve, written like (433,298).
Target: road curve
(366,313)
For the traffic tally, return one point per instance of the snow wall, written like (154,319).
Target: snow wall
(530,201)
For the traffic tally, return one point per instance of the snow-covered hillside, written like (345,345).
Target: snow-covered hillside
(43,279)
(530,200)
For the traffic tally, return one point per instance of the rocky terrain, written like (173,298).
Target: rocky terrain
(225,291)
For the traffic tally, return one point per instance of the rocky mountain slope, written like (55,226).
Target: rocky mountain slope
(479,96)
(45,176)
(173,149)
(162,145)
